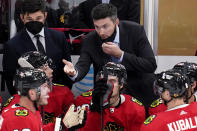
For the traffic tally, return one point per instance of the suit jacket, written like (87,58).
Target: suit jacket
(56,48)
(138,59)
(127,10)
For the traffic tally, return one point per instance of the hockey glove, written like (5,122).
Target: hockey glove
(75,119)
(99,91)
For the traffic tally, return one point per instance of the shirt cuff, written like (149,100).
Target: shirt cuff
(74,77)
(121,58)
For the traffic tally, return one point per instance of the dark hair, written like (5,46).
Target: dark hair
(104,10)
(31,6)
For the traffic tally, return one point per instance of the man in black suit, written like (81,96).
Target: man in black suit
(123,42)
(127,10)
(36,37)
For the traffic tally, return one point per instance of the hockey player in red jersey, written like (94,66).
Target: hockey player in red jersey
(60,96)
(172,86)
(190,70)
(34,91)
(110,110)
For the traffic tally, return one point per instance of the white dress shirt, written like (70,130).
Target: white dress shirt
(41,38)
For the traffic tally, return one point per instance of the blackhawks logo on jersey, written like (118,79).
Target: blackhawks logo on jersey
(136,101)
(149,119)
(21,112)
(87,94)
(112,126)
(156,103)
(49,117)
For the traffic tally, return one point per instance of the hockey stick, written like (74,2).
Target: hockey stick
(101,108)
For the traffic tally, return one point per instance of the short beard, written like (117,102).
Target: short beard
(111,38)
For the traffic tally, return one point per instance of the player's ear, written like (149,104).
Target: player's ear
(194,85)
(32,94)
(121,86)
(117,21)
(22,17)
(45,15)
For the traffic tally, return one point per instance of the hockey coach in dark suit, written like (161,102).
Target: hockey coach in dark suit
(36,37)
(122,42)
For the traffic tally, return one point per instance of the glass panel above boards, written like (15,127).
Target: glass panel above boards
(177,27)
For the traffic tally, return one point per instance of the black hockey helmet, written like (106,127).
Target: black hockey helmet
(189,68)
(34,59)
(28,78)
(114,69)
(174,81)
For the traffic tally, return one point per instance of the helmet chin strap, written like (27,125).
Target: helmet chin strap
(35,102)
(189,97)
(166,101)
(38,93)
(35,105)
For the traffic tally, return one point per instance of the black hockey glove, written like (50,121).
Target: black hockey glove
(99,91)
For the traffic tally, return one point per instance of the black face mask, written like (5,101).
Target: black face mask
(111,38)
(34,27)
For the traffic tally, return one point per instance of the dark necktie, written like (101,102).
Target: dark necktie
(39,44)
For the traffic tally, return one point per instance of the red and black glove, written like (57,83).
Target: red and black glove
(101,94)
